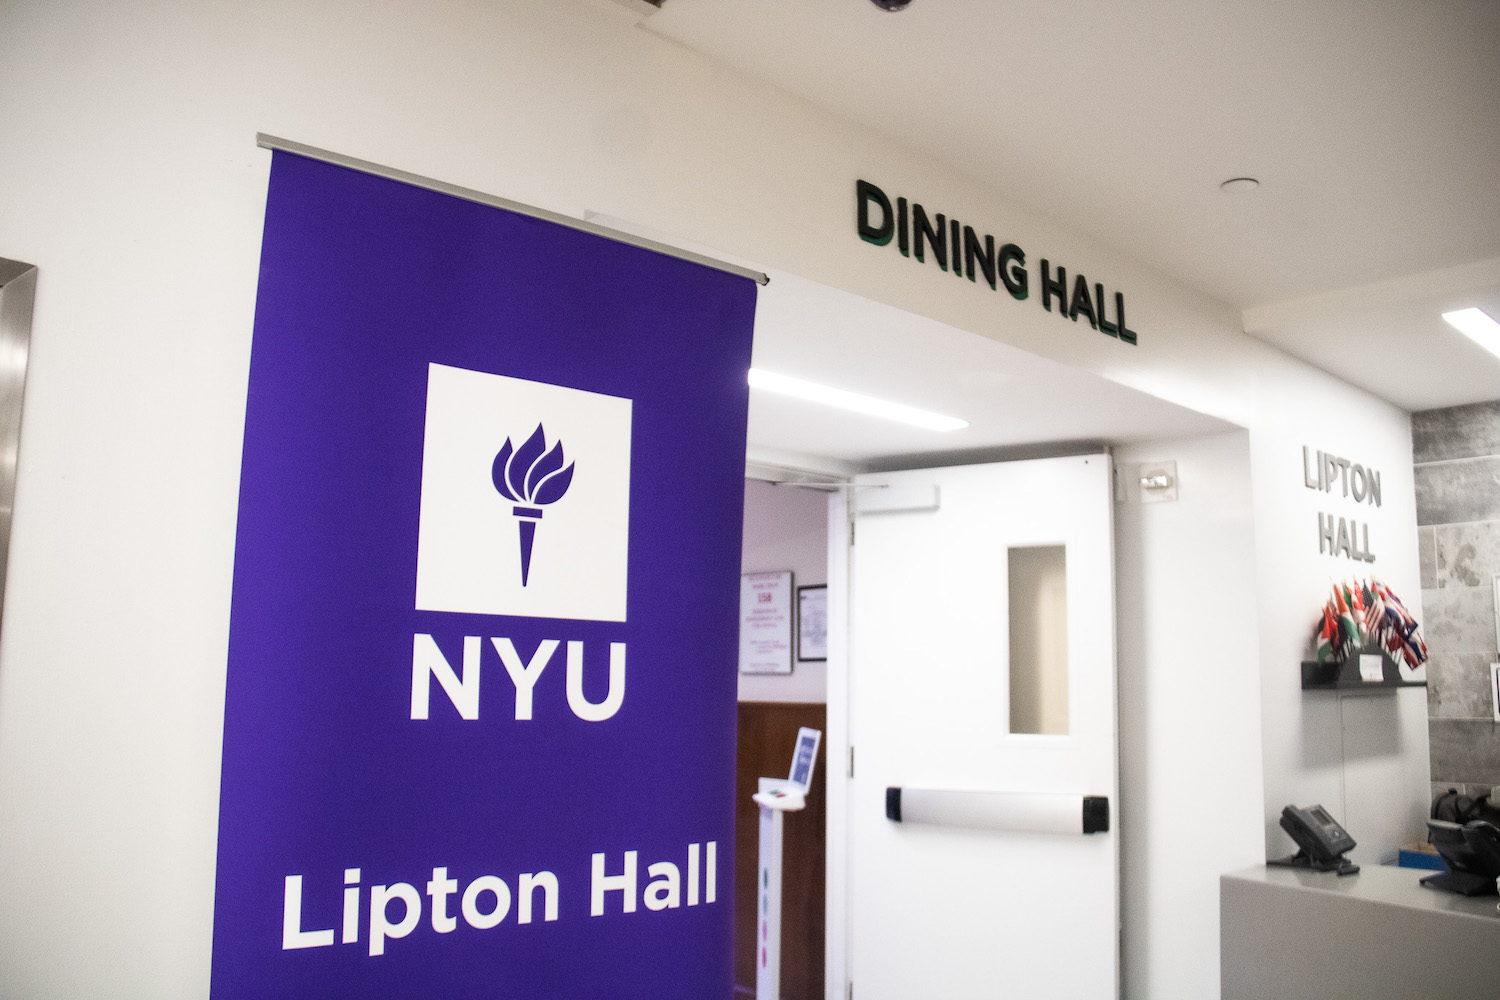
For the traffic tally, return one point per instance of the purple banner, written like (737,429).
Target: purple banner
(479,720)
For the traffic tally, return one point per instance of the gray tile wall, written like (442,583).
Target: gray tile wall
(1456,452)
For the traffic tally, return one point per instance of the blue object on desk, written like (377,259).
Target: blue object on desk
(1420,859)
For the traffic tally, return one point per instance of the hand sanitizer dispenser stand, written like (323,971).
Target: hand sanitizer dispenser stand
(776,797)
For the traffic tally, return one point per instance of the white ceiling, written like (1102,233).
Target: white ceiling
(1010,398)
(1390,337)
(1374,128)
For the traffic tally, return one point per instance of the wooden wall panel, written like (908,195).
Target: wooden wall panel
(767,734)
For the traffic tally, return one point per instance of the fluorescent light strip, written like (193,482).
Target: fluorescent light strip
(1479,326)
(868,405)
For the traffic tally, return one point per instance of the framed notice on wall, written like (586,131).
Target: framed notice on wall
(766,623)
(812,623)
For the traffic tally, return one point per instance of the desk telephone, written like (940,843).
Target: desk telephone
(1321,842)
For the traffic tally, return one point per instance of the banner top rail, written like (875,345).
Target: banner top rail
(265,141)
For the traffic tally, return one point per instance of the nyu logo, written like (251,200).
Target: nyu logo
(527,475)
(477,483)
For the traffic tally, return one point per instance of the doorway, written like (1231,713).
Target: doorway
(786,530)
(982,858)
(1021,406)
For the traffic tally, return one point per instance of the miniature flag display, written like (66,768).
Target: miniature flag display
(1367,614)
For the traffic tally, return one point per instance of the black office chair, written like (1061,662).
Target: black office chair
(1472,853)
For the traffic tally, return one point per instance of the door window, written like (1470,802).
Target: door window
(1038,640)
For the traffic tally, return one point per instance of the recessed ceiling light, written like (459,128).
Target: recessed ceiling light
(844,400)
(1239,185)
(1479,326)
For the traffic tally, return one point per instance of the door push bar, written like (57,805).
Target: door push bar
(1019,812)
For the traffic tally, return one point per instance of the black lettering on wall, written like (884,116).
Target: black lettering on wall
(868,194)
(1105,326)
(928,233)
(1051,288)
(1081,302)
(984,257)
(1013,271)
(1126,334)
(964,251)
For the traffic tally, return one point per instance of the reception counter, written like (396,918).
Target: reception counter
(1286,934)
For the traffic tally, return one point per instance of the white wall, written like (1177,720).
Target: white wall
(132,180)
(1189,683)
(1365,760)
(786,528)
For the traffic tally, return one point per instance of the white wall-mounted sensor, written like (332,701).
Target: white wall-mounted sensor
(1158,482)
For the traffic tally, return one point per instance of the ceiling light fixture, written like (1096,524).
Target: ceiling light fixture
(892,5)
(1479,326)
(854,402)
(1239,185)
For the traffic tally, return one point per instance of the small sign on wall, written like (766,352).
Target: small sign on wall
(812,623)
(1327,473)
(766,623)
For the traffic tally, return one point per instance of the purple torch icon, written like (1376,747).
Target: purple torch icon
(531,477)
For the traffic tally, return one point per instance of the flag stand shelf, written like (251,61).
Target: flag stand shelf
(1348,676)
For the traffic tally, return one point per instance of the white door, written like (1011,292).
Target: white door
(982,660)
